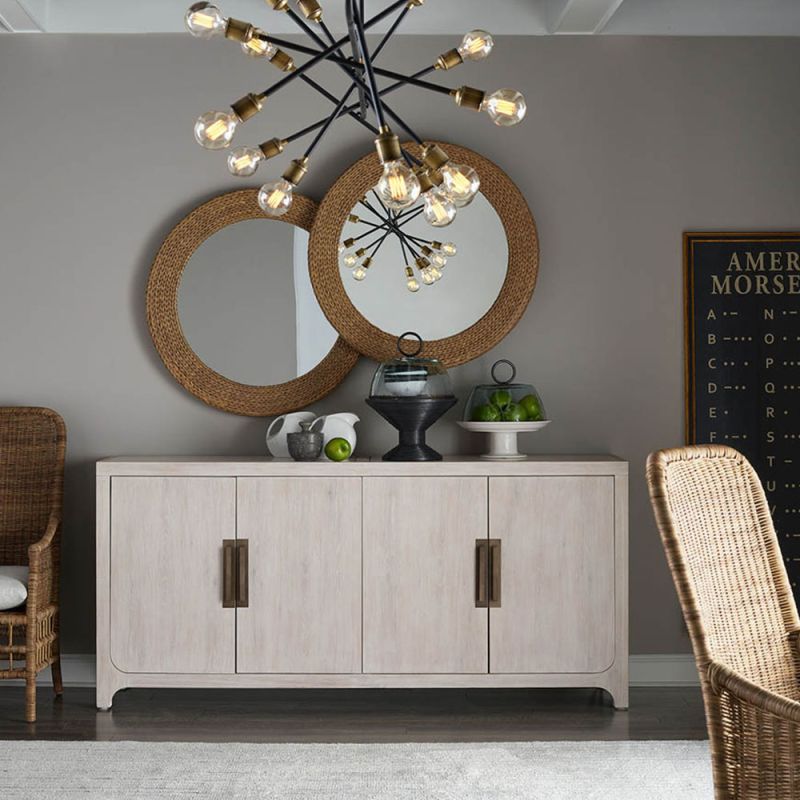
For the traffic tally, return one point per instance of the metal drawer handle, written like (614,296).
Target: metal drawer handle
(495,573)
(242,573)
(228,573)
(481,573)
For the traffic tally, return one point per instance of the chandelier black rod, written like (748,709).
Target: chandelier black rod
(347,111)
(331,119)
(352,108)
(347,65)
(377,106)
(355,52)
(352,112)
(374,226)
(328,51)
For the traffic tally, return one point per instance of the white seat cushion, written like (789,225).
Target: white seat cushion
(13,587)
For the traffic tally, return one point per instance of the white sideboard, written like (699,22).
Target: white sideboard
(268,573)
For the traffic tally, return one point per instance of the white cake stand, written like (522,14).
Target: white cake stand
(503,437)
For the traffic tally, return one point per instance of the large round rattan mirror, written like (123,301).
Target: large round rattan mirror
(483,289)
(232,312)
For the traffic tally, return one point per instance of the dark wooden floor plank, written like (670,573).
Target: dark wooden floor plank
(356,715)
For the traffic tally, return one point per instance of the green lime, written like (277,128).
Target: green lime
(485,413)
(514,413)
(532,406)
(338,449)
(501,398)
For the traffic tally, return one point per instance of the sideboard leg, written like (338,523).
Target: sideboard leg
(617,687)
(107,687)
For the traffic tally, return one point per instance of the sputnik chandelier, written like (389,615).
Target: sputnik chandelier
(442,186)
(380,223)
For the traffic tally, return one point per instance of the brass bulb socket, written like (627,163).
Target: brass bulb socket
(296,170)
(468,97)
(436,245)
(353,218)
(360,252)
(422,263)
(365,264)
(388,146)
(349,242)
(272,148)
(452,58)
(311,9)
(238,30)
(425,183)
(434,157)
(247,106)
(278,5)
(283,61)
(426,251)
(409,272)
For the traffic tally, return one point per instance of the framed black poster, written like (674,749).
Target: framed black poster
(742,296)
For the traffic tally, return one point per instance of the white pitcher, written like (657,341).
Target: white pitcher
(336,426)
(281,427)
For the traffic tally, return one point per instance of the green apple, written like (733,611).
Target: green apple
(532,406)
(514,413)
(486,413)
(338,449)
(501,398)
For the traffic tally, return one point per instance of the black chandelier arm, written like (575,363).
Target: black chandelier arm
(377,107)
(335,114)
(406,259)
(390,32)
(342,61)
(349,110)
(412,80)
(323,54)
(356,54)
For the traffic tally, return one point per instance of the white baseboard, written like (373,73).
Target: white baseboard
(663,669)
(76,670)
(645,670)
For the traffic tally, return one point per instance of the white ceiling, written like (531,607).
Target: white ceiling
(535,17)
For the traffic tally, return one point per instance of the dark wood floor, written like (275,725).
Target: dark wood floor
(355,715)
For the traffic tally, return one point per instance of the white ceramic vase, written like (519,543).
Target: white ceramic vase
(336,426)
(281,427)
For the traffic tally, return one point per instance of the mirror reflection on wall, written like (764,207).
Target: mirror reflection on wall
(469,285)
(246,304)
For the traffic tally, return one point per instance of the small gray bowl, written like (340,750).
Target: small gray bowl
(305,445)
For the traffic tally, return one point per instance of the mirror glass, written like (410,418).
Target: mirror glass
(470,283)
(246,305)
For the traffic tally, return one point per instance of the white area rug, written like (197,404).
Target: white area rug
(509,771)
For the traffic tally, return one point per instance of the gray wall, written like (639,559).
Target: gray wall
(628,142)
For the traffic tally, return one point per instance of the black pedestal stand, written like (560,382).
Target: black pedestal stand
(412,416)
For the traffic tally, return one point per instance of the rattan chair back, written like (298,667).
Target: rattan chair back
(32,446)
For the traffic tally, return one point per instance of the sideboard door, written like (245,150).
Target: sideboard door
(556,599)
(420,582)
(166,574)
(303,612)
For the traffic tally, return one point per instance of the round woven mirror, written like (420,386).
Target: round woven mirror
(232,313)
(483,291)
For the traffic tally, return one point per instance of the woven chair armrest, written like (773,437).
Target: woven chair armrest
(723,678)
(39,548)
(41,563)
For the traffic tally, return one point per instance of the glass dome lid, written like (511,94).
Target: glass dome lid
(504,400)
(409,375)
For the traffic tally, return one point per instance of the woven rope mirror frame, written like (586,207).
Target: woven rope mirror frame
(186,367)
(481,336)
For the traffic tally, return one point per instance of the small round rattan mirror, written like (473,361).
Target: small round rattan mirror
(484,289)
(232,313)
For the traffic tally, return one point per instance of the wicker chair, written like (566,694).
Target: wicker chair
(32,446)
(722,549)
